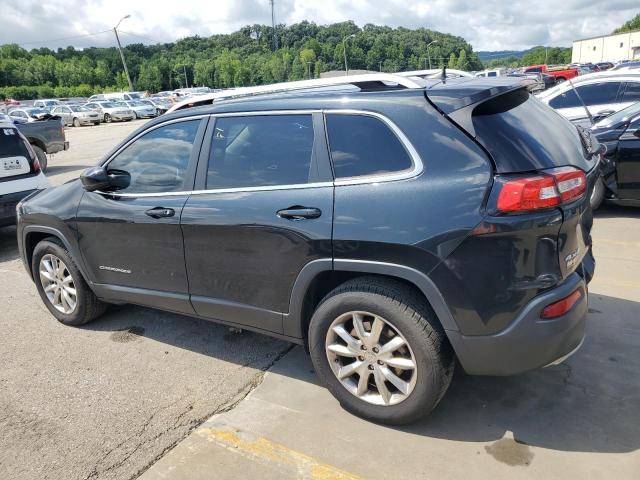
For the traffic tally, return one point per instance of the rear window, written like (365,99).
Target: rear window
(363,145)
(523,134)
(12,144)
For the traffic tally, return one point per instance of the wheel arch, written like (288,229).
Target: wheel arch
(32,235)
(319,277)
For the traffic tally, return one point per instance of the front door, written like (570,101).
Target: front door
(131,238)
(264,212)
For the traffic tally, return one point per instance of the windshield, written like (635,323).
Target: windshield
(134,95)
(79,108)
(52,103)
(136,104)
(621,116)
(109,105)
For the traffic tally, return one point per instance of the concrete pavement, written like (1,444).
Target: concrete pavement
(577,420)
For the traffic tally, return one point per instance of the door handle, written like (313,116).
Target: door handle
(160,212)
(299,213)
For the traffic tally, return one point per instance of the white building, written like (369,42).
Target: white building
(608,48)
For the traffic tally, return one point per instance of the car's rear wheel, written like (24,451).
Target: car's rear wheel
(61,285)
(76,122)
(107,118)
(42,157)
(597,194)
(378,347)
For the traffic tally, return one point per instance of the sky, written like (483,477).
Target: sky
(486,24)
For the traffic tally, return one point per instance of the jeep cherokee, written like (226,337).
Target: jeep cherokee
(390,224)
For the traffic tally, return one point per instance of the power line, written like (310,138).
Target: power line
(65,38)
(140,36)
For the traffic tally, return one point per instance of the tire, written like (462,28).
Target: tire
(76,122)
(597,194)
(409,315)
(42,157)
(95,124)
(87,307)
(560,80)
(107,118)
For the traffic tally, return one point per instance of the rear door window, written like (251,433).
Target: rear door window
(363,145)
(600,93)
(260,151)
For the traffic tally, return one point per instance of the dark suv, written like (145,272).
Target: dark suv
(391,228)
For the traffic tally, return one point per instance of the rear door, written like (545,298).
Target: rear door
(264,210)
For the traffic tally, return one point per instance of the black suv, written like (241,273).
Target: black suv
(391,228)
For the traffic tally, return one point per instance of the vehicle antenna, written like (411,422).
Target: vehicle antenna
(444,73)
(581,101)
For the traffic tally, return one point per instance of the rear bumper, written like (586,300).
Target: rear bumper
(528,342)
(8,204)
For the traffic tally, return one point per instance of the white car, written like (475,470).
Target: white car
(603,93)
(77,115)
(140,110)
(27,115)
(20,172)
(47,103)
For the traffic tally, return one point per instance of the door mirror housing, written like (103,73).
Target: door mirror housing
(95,178)
(98,178)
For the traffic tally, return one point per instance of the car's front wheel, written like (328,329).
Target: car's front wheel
(76,122)
(378,347)
(107,118)
(61,286)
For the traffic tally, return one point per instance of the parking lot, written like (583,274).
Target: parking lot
(112,399)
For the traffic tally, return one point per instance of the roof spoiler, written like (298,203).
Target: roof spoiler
(458,99)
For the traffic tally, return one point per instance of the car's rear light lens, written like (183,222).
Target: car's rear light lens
(545,190)
(561,307)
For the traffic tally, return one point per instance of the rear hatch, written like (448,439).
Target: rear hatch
(526,140)
(17,159)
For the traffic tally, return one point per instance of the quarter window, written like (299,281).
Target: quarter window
(260,150)
(158,161)
(364,145)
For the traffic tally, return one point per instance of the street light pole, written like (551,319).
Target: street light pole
(428,53)
(124,63)
(344,50)
(309,69)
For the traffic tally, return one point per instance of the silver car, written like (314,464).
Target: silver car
(112,112)
(140,110)
(77,115)
(27,115)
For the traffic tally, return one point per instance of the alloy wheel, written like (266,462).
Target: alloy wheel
(57,283)
(371,358)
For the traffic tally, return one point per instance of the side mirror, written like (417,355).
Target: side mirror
(98,178)
(95,178)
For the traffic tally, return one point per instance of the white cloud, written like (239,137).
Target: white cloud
(487,25)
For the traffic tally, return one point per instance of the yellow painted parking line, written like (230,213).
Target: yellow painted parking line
(263,449)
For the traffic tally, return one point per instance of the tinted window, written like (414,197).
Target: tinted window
(632,92)
(568,99)
(158,161)
(599,93)
(257,151)
(492,74)
(534,69)
(12,144)
(364,145)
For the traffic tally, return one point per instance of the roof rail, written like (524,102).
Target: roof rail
(369,80)
(435,72)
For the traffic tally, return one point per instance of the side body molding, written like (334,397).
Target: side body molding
(292,322)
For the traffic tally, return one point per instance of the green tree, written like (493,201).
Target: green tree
(633,24)
(453,61)
(463,63)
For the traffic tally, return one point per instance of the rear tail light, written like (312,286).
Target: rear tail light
(545,190)
(561,307)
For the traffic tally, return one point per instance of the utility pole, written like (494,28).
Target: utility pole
(380,65)
(273,25)
(186,80)
(344,50)
(124,63)
(309,69)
